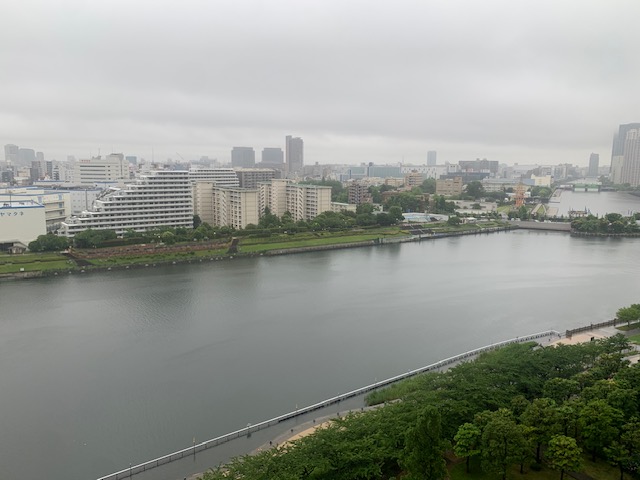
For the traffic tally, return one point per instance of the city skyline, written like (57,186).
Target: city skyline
(390,83)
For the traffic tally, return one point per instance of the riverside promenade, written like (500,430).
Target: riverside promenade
(201,456)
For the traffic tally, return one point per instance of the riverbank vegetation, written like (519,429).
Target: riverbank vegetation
(609,224)
(523,411)
(101,249)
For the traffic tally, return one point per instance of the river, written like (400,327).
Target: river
(102,370)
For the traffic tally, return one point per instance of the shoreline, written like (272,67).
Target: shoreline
(267,253)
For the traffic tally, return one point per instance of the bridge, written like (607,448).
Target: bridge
(587,187)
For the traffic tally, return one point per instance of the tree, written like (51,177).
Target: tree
(48,243)
(564,454)
(395,212)
(542,417)
(629,314)
(600,423)
(467,442)
(268,219)
(503,444)
(196,221)
(475,189)
(454,221)
(423,455)
(364,208)
(560,389)
(429,185)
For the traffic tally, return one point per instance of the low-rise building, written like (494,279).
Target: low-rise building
(57,203)
(21,221)
(449,187)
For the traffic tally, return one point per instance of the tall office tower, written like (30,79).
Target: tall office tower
(243,157)
(11,155)
(294,148)
(26,156)
(594,163)
(631,160)
(431,158)
(617,152)
(272,155)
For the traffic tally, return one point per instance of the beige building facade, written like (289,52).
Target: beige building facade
(449,186)
(235,207)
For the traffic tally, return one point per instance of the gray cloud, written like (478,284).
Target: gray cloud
(377,81)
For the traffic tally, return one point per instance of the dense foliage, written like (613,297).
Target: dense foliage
(520,405)
(611,223)
(48,243)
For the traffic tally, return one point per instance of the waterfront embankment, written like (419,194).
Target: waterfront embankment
(77,261)
(322,409)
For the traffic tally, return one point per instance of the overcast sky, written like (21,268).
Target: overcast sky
(513,81)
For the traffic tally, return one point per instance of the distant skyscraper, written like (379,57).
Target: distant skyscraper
(431,157)
(243,157)
(11,154)
(26,156)
(631,158)
(272,155)
(620,138)
(594,163)
(294,147)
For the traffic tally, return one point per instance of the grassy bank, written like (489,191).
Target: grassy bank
(53,262)
(34,262)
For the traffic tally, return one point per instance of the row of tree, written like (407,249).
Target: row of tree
(611,223)
(521,405)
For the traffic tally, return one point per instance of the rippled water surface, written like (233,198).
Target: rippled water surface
(101,370)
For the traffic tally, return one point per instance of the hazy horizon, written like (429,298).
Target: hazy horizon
(541,82)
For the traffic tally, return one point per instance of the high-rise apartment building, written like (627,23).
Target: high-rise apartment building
(594,163)
(294,151)
(631,158)
(272,156)
(304,202)
(431,158)
(235,207)
(161,198)
(222,176)
(243,157)
(358,192)
(251,177)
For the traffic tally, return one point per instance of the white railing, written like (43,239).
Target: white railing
(192,450)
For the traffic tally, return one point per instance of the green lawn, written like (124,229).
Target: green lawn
(33,262)
(635,339)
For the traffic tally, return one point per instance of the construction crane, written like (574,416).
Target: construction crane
(519,196)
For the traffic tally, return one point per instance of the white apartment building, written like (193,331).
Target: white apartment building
(427,171)
(57,203)
(235,207)
(160,198)
(98,170)
(223,177)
